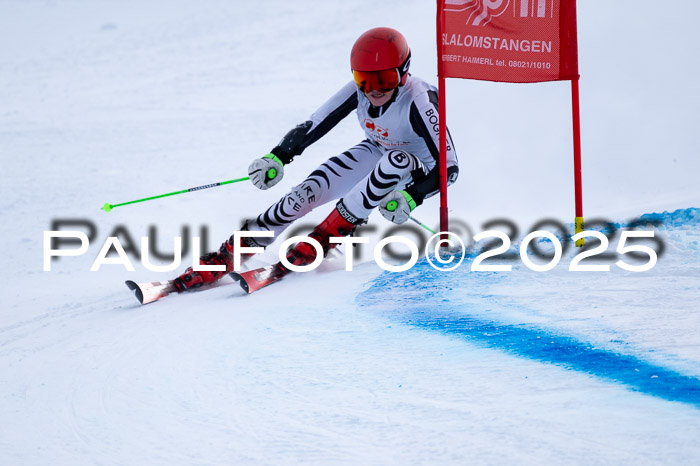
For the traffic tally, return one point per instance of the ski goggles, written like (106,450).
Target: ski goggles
(383,81)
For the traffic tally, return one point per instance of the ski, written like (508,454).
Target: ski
(149,292)
(250,281)
(253,280)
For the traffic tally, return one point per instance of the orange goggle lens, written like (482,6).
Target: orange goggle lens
(382,81)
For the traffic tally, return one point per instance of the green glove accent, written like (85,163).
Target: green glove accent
(273,157)
(409,199)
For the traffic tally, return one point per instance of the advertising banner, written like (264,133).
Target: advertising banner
(516,41)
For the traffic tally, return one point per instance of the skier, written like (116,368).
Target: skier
(395,168)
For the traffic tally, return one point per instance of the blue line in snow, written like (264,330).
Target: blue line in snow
(546,347)
(425,307)
(419,298)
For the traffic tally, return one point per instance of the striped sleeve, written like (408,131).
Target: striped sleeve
(424,118)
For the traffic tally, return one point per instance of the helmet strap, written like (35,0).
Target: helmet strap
(403,69)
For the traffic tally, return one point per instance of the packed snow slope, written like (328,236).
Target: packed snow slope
(110,102)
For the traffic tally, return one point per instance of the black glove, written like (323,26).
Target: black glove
(291,144)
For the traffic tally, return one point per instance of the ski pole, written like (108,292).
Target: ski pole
(423,225)
(393,205)
(451,249)
(108,207)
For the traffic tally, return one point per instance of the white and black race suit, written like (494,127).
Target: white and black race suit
(401,151)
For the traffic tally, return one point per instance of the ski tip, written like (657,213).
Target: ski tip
(244,284)
(133,286)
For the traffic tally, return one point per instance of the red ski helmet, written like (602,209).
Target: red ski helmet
(380,59)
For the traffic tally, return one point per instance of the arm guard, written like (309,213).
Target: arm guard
(291,144)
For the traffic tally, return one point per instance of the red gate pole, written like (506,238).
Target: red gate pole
(443,158)
(578,222)
(442,123)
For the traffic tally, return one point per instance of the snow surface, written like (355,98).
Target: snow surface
(111,101)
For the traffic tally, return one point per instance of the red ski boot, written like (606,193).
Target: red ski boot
(338,224)
(224,256)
